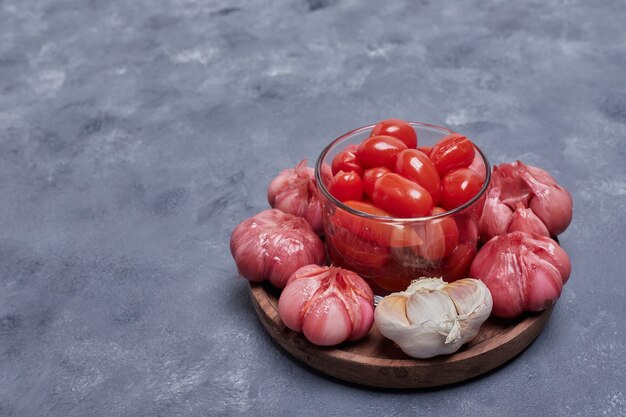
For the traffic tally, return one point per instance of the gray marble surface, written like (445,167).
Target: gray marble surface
(134,136)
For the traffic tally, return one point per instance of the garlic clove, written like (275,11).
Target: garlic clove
(543,284)
(496,216)
(432,339)
(293,300)
(391,313)
(496,264)
(326,322)
(470,297)
(366,318)
(473,303)
(426,306)
(525,220)
(550,251)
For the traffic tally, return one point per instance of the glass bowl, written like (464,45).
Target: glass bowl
(389,252)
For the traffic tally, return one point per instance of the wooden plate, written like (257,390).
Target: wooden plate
(377,362)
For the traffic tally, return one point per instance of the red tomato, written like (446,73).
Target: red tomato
(396,275)
(370,177)
(425,149)
(391,283)
(346,186)
(467,224)
(416,166)
(440,237)
(402,197)
(368,208)
(350,251)
(459,186)
(381,233)
(346,161)
(380,151)
(450,230)
(478,165)
(457,264)
(398,129)
(453,151)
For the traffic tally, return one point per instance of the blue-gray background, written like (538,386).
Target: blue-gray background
(134,135)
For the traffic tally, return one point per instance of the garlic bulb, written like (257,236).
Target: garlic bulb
(432,317)
(272,245)
(551,203)
(526,199)
(328,305)
(523,272)
(294,191)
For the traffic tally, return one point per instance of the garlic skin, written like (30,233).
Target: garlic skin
(432,317)
(523,272)
(329,305)
(294,191)
(272,245)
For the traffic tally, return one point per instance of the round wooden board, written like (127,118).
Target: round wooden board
(376,361)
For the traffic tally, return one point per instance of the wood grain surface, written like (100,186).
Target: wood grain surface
(376,361)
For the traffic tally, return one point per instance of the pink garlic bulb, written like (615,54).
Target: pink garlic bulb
(272,245)
(329,305)
(294,191)
(550,202)
(523,272)
(524,198)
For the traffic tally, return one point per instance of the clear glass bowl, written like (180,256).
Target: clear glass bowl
(390,252)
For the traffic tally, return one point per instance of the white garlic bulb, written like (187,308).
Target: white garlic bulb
(432,317)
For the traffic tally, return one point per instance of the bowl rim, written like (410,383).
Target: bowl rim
(322,187)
